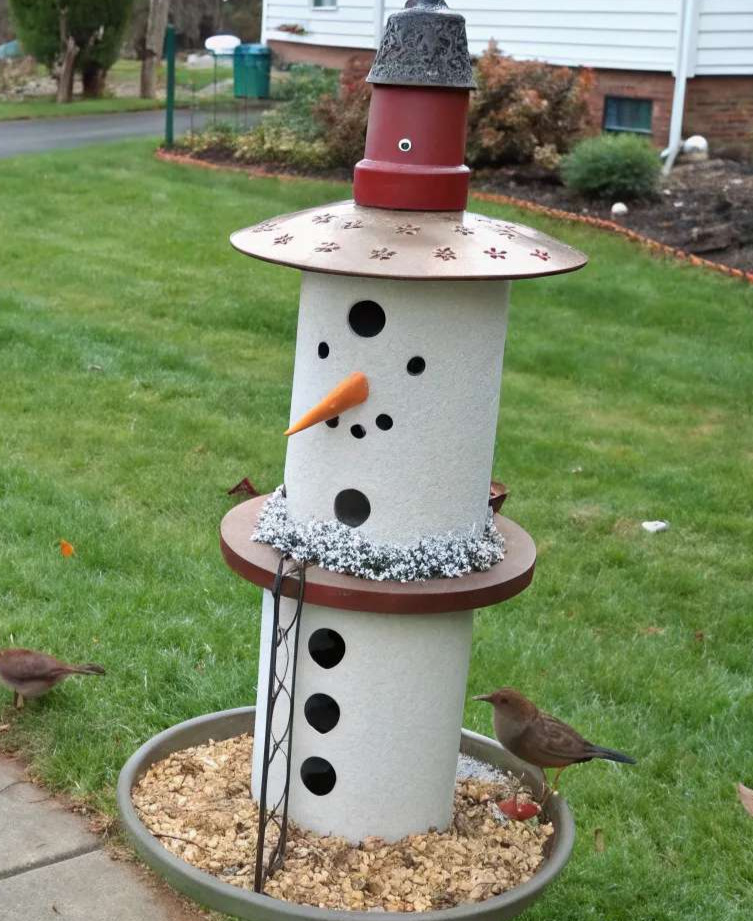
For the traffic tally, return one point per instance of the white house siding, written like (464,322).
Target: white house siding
(350,25)
(725,37)
(618,34)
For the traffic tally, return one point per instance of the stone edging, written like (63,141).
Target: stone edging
(497,199)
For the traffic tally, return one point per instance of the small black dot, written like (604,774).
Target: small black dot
(333,422)
(322,712)
(326,647)
(384,422)
(318,776)
(416,365)
(366,318)
(323,350)
(357,431)
(352,507)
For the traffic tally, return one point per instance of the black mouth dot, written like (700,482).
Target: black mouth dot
(357,431)
(416,365)
(384,422)
(333,423)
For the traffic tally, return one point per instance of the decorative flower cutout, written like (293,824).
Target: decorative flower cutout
(541,254)
(265,226)
(410,230)
(284,239)
(327,248)
(352,225)
(496,253)
(465,231)
(383,253)
(323,218)
(444,253)
(505,232)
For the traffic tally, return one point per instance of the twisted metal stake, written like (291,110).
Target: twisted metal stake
(278,814)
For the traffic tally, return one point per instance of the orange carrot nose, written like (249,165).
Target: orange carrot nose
(351,391)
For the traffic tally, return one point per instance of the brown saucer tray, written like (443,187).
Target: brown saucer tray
(258,563)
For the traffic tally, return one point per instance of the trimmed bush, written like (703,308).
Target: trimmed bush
(525,111)
(299,93)
(614,166)
(268,143)
(342,120)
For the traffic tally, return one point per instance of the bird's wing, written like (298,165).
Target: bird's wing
(549,742)
(26,665)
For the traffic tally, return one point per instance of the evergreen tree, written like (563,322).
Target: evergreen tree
(68,35)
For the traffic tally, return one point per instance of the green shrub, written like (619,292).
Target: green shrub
(525,111)
(216,139)
(268,143)
(299,92)
(342,119)
(616,166)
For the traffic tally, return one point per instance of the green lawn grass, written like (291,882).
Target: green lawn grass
(46,107)
(146,367)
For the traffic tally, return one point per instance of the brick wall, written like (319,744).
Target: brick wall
(637,84)
(324,55)
(721,109)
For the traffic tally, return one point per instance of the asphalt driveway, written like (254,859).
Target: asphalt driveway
(37,135)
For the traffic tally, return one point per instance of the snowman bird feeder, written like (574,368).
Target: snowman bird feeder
(386,497)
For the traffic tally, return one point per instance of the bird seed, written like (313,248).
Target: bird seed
(196,802)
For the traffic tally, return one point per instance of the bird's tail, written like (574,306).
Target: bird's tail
(610,754)
(90,668)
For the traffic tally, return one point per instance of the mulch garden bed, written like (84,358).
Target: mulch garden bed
(704,208)
(197,803)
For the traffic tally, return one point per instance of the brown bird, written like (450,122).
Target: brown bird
(541,739)
(30,674)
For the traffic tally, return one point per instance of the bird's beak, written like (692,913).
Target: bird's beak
(351,391)
(486,697)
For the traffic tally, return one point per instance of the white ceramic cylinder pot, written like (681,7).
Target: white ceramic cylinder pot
(419,448)
(377,720)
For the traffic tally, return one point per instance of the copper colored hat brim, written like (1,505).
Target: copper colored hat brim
(347,239)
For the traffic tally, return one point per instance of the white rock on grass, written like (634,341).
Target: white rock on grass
(619,208)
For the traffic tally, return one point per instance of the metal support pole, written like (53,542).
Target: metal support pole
(277,814)
(170,90)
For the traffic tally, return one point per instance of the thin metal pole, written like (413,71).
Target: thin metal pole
(170,91)
(214,115)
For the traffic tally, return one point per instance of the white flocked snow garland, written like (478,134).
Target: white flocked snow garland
(340,548)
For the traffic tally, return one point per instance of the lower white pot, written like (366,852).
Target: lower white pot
(243,903)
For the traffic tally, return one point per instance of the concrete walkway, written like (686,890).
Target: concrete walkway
(53,869)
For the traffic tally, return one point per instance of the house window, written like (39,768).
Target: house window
(324,4)
(624,114)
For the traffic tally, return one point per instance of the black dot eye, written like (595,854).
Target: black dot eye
(323,350)
(326,647)
(352,507)
(366,318)
(357,431)
(333,423)
(384,422)
(322,712)
(318,776)
(416,365)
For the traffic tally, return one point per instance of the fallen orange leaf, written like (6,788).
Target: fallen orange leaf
(65,548)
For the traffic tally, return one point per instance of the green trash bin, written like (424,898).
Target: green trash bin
(251,65)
